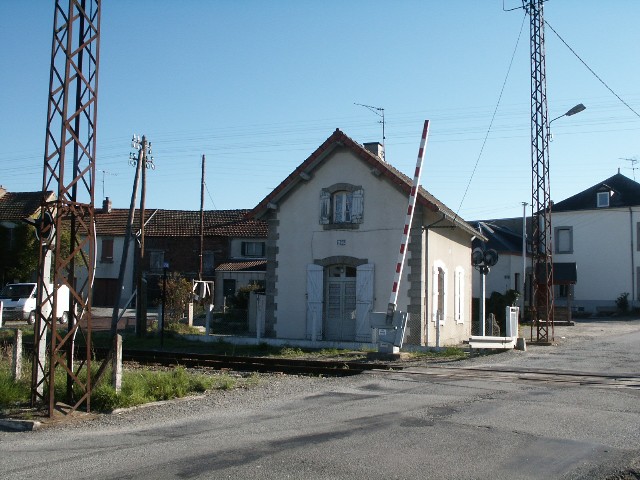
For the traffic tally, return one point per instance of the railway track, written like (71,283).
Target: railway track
(346,368)
(250,364)
(505,374)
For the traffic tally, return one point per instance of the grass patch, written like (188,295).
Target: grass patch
(451,353)
(145,386)
(139,386)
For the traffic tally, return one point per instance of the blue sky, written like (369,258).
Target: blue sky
(257,86)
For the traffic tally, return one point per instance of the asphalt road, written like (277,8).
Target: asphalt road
(492,417)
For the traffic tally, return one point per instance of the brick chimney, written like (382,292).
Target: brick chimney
(106,205)
(376,148)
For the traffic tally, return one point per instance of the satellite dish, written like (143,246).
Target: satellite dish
(477,256)
(490,257)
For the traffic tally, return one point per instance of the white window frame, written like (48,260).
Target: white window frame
(341,204)
(438,264)
(558,232)
(458,295)
(603,199)
(252,249)
(342,207)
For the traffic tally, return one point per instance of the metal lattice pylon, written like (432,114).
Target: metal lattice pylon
(69,172)
(542,301)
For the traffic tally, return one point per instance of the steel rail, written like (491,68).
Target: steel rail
(604,380)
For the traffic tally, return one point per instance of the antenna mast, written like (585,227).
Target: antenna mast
(380,112)
(633,165)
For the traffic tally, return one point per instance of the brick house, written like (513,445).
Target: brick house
(14,208)
(171,236)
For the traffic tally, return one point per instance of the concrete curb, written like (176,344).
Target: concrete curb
(20,425)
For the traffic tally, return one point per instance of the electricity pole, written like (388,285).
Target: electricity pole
(69,172)
(133,161)
(542,301)
(201,220)
(143,161)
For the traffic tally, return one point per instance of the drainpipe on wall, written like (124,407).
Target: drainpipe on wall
(633,268)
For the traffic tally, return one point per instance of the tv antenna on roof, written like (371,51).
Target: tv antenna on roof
(103,174)
(633,164)
(378,111)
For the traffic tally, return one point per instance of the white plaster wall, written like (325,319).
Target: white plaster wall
(242,280)
(501,277)
(112,269)
(451,248)
(605,251)
(301,238)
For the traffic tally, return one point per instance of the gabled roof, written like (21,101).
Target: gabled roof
(501,237)
(380,167)
(625,193)
(14,206)
(182,223)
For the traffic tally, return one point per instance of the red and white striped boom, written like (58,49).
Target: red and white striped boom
(407,225)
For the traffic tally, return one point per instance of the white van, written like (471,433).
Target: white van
(19,302)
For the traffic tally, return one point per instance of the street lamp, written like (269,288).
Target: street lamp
(577,109)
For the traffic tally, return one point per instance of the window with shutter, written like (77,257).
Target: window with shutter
(341,205)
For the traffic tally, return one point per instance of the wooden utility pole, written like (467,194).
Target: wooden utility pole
(145,160)
(201,220)
(133,160)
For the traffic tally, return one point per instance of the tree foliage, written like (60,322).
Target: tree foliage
(19,254)
(178,295)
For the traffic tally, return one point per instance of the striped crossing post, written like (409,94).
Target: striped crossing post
(402,254)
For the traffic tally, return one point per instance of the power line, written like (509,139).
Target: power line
(591,70)
(504,83)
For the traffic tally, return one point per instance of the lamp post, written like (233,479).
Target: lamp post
(542,255)
(577,109)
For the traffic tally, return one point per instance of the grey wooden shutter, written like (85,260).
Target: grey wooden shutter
(364,301)
(325,207)
(315,282)
(357,207)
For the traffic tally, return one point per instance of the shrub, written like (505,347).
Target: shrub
(241,299)
(178,295)
(622,302)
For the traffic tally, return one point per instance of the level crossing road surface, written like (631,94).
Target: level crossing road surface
(570,410)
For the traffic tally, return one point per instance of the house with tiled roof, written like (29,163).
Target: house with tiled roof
(335,226)
(505,237)
(598,229)
(173,237)
(15,207)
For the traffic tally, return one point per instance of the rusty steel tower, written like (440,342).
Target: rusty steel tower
(542,301)
(67,232)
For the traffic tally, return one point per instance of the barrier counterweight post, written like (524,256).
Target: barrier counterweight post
(407,226)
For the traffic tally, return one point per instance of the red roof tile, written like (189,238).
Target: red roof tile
(249,266)
(14,206)
(338,139)
(182,223)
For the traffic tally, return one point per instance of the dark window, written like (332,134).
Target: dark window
(228,287)
(252,249)
(208,262)
(156,260)
(107,250)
